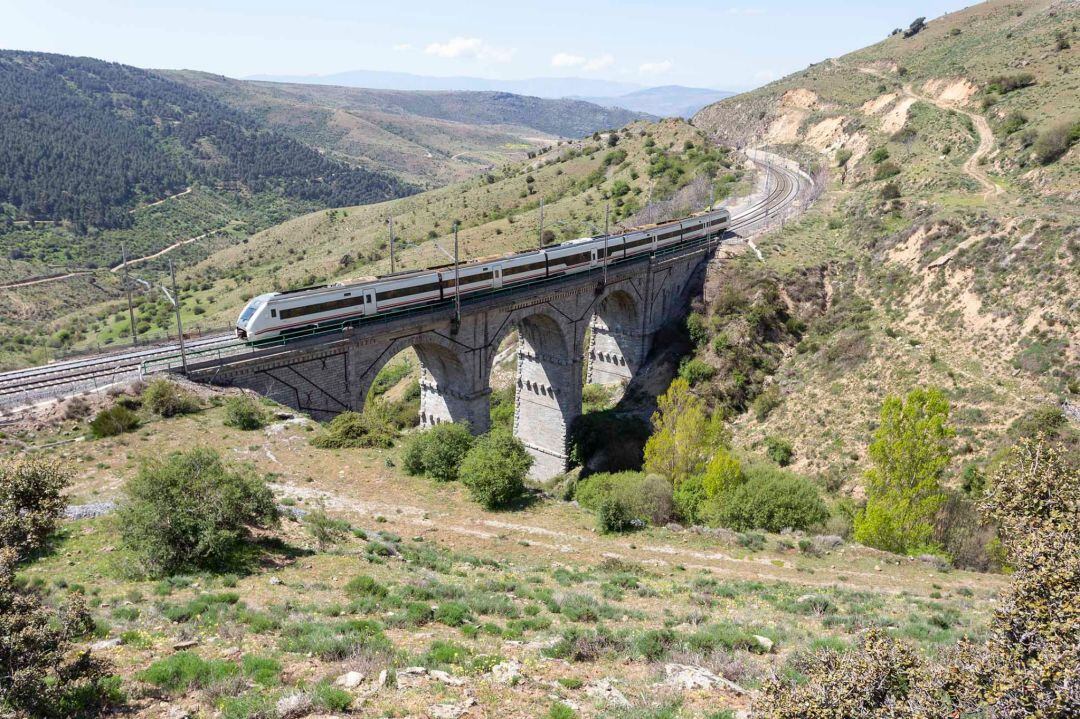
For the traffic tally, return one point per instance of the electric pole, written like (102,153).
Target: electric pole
(541,223)
(457,277)
(179,324)
(607,215)
(131,310)
(390,224)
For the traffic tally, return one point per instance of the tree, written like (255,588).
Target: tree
(494,469)
(910,453)
(31,501)
(683,435)
(191,509)
(437,451)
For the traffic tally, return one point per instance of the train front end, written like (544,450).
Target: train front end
(251,319)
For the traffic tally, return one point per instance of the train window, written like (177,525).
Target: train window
(405,291)
(321,307)
(273,313)
(524,268)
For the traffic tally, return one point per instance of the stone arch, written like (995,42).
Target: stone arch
(615,343)
(547,386)
(447,384)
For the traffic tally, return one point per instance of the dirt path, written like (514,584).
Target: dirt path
(155,204)
(986,142)
(43,280)
(986,136)
(170,248)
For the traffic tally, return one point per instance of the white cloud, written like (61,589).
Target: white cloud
(401,47)
(588,64)
(746,11)
(565,59)
(470,47)
(599,63)
(656,68)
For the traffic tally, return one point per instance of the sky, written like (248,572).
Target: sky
(717,44)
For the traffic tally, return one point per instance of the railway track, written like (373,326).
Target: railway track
(26,387)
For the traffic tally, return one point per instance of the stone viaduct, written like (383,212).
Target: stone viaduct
(326,375)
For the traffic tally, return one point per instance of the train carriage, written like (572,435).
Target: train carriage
(297,312)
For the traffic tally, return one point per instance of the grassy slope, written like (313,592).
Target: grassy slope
(498,213)
(515,571)
(970,291)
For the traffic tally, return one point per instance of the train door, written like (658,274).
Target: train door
(592,258)
(369,302)
(496,276)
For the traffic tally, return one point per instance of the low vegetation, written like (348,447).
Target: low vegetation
(192,509)
(494,469)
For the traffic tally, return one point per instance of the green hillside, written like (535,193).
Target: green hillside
(943,253)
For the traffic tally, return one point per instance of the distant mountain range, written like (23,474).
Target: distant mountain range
(664,101)
(668,100)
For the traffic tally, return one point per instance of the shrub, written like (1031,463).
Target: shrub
(191,509)
(31,502)
(324,529)
(886,170)
(879,155)
(1013,122)
(494,469)
(890,191)
(1004,84)
(167,399)
(245,413)
(437,451)
(184,671)
(695,371)
(333,642)
(364,586)
(624,499)
(354,429)
(453,614)
(779,450)
(113,421)
(766,402)
(842,156)
(697,329)
(43,673)
(769,499)
(1055,141)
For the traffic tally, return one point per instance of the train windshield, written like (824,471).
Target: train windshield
(247,313)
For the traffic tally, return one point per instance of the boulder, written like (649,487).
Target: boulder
(350,680)
(603,690)
(508,672)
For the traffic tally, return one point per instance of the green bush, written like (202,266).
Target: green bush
(453,614)
(191,509)
(364,586)
(766,402)
(1055,141)
(494,469)
(372,428)
(31,501)
(770,499)
(879,155)
(886,170)
(695,371)
(167,399)
(779,450)
(437,451)
(184,671)
(324,529)
(245,413)
(113,421)
(333,642)
(623,499)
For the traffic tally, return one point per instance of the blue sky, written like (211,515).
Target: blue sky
(725,45)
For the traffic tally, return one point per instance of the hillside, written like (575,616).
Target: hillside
(426,137)
(85,142)
(945,251)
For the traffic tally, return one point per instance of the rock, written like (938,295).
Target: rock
(350,680)
(412,672)
(765,643)
(275,581)
(88,511)
(877,567)
(445,678)
(684,676)
(175,711)
(291,706)
(603,690)
(828,541)
(231,652)
(938,563)
(450,711)
(383,676)
(506,672)
(673,527)
(185,644)
(106,644)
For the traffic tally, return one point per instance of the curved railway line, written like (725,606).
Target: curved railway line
(25,387)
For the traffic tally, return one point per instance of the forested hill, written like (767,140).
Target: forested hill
(85,141)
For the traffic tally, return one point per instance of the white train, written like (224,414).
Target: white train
(297,312)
